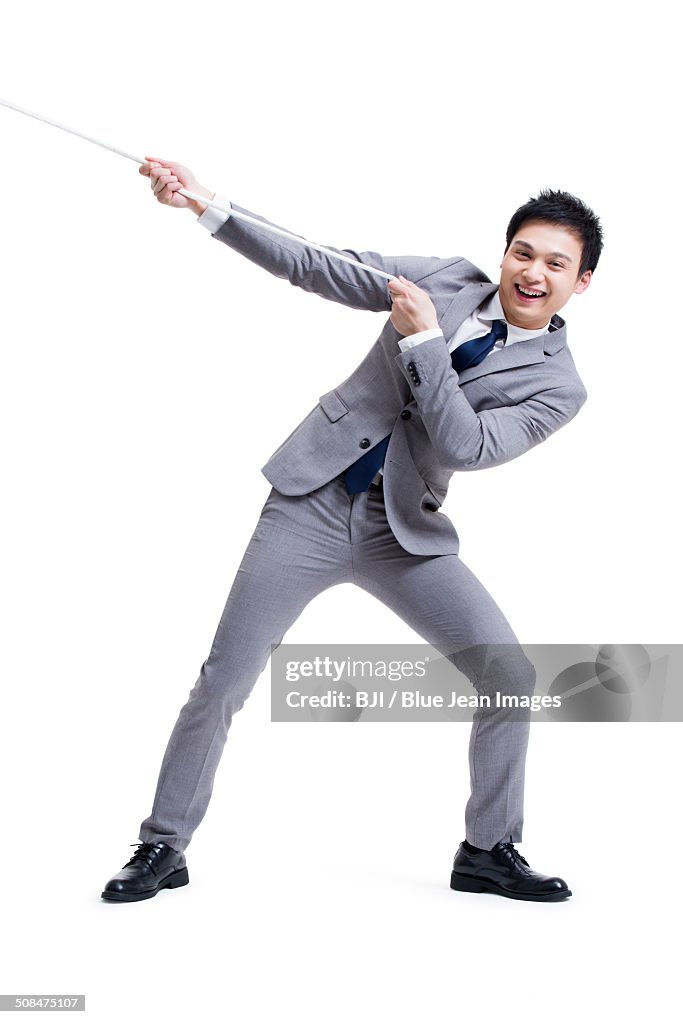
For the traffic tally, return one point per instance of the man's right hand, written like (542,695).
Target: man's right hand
(166,177)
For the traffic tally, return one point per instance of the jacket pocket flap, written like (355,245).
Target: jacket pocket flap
(333,406)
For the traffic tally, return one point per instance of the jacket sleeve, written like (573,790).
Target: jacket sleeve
(466,440)
(321,274)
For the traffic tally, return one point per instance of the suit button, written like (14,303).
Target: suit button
(406,414)
(411,366)
(365,443)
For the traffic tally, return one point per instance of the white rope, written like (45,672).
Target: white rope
(203,199)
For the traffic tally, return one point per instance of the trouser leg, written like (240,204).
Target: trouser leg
(444,602)
(281,572)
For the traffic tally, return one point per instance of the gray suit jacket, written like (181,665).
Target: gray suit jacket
(439,421)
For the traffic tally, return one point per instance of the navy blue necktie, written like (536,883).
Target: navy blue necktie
(360,475)
(471,353)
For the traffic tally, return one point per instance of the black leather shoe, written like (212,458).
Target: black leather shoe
(505,871)
(152,867)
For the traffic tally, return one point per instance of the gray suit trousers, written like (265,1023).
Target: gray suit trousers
(302,545)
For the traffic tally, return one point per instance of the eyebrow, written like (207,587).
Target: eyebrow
(563,255)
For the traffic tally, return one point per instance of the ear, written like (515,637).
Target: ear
(583,282)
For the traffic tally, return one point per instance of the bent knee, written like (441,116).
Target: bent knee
(507,670)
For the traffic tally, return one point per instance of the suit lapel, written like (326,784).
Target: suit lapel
(463,303)
(522,353)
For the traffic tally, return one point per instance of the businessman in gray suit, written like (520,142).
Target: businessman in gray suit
(464,375)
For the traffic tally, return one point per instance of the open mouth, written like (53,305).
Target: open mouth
(528,294)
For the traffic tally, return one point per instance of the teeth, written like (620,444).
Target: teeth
(535,295)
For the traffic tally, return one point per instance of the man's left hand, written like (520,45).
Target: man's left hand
(412,310)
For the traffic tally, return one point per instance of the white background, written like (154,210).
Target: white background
(146,368)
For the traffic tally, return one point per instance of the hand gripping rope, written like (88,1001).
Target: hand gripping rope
(203,199)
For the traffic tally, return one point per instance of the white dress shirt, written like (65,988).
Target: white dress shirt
(475,326)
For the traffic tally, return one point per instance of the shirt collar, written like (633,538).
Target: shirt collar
(493,310)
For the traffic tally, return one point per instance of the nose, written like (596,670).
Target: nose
(534,272)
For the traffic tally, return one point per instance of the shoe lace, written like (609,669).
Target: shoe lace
(142,854)
(510,849)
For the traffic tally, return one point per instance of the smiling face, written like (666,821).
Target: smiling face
(543,259)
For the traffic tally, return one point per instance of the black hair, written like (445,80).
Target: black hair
(566,211)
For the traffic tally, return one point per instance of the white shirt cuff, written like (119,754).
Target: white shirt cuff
(415,339)
(213,219)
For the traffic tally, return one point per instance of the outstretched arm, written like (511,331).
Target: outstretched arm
(302,266)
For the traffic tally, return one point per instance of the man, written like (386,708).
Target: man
(465,375)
